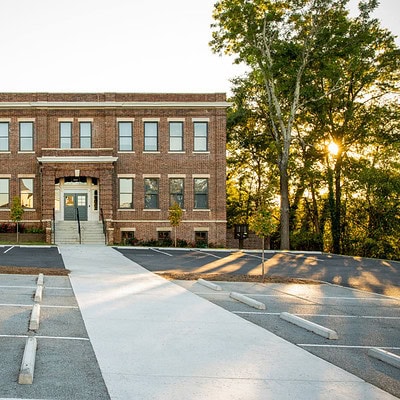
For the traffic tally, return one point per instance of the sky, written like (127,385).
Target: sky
(119,46)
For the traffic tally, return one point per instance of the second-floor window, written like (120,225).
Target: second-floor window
(4,136)
(125,131)
(200,136)
(176,136)
(26,136)
(85,135)
(201,193)
(151,136)
(4,193)
(65,135)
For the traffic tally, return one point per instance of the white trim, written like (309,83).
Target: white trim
(65,120)
(201,229)
(125,119)
(182,119)
(77,159)
(164,229)
(200,119)
(26,152)
(5,119)
(85,119)
(125,229)
(201,176)
(148,119)
(5,176)
(26,176)
(126,176)
(113,104)
(177,176)
(151,176)
(26,119)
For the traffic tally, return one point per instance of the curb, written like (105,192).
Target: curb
(385,356)
(310,326)
(210,285)
(28,362)
(247,300)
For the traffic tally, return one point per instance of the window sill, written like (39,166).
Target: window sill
(201,152)
(29,209)
(26,152)
(151,209)
(150,152)
(126,152)
(201,209)
(177,152)
(5,152)
(126,209)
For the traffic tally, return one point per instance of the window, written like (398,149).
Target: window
(201,238)
(125,136)
(126,193)
(151,136)
(85,135)
(176,136)
(151,193)
(4,136)
(26,192)
(201,193)
(4,193)
(65,135)
(176,191)
(200,136)
(128,237)
(26,136)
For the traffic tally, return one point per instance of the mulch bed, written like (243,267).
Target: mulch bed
(33,271)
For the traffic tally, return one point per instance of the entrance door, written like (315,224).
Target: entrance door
(73,202)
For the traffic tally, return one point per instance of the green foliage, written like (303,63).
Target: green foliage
(17,210)
(175,215)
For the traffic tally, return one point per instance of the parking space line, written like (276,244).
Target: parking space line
(342,346)
(162,252)
(208,254)
(322,315)
(46,337)
(10,248)
(31,305)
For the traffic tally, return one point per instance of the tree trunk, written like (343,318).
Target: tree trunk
(285,209)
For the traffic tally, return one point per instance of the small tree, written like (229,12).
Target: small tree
(175,217)
(262,223)
(16,213)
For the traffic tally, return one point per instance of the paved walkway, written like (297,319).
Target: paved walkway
(156,340)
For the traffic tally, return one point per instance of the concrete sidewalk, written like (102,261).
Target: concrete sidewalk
(156,340)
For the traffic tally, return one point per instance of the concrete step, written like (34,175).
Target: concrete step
(91,232)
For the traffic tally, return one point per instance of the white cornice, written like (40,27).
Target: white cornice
(77,159)
(113,104)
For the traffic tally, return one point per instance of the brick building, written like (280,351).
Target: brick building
(121,158)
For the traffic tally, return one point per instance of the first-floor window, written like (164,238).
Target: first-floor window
(126,193)
(201,238)
(151,193)
(201,193)
(4,193)
(26,192)
(176,192)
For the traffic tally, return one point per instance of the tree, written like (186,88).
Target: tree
(262,223)
(277,40)
(175,217)
(16,213)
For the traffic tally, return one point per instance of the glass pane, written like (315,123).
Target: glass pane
(3,129)
(125,185)
(3,143)
(201,185)
(65,129)
(125,200)
(26,129)
(176,128)
(200,144)
(125,143)
(86,143)
(4,186)
(65,143)
(81,201)
(200,129)
(151,186)
(201,201)
(151,201)
(4,200)
(27,185)
(175,144)
(26,144)
(69,201)
(150,143)
(85,129)
(125,128)
(150,128)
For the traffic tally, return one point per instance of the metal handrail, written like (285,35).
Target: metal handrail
(53,222)
(104,226)
(79,226)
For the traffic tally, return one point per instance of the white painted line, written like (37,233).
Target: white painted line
(35,318)
(162,252)
(320,315)
(39,293)
(28,362)
(208,254)
(310,326)
(385,356)
(40,280)
(17,287)
(9,249)
(342,346)
(30,306)
(45,337)
(247,300)
(210,285)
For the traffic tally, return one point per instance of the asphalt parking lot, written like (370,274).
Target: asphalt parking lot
(66,366)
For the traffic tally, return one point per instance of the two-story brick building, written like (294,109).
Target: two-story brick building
(124,158)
